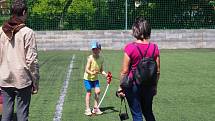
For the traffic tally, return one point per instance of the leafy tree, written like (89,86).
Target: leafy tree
(100,17)
(110,14)
(61,14)
(66,6)
(116,14)
(80,14)
(45,13)
(178,13)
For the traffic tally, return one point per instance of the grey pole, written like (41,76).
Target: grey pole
(126,14)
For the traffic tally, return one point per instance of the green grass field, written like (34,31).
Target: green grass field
(186,90)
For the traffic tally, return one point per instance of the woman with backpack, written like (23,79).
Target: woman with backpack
(139,94)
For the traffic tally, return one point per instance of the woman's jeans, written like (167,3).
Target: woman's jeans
(140,102)
(22,96)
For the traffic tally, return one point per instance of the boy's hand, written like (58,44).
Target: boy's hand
(104,73)
(94,72)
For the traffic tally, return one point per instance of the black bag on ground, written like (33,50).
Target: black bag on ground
(146,71)
(123,115)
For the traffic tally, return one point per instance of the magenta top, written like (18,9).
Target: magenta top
(133,53)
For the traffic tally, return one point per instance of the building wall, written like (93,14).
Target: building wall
(116,39)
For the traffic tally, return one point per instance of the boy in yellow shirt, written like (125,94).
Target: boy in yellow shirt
(94,67)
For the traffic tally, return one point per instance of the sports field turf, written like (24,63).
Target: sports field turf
(186,90)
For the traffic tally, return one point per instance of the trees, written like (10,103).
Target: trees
(61,14)
(46,14)
(110,14)
(80,14)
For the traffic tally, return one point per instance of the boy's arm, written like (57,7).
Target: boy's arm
(102,71)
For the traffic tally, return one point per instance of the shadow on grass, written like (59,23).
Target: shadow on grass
(108,110)
(14,117)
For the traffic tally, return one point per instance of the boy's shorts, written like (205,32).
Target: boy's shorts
(91,84)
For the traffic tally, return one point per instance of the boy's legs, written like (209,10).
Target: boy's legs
(88,87)
(9,95)
(87,99)
(23,103)
(97,93)
(96,109)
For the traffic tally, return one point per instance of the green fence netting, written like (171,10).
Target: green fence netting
(116,14)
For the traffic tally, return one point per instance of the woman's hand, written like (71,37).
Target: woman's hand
(120,93)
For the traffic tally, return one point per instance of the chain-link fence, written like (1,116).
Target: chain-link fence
(116,14)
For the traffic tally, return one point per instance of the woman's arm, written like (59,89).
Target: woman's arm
(124,71)
(125,65)
(158,68)
(158,74)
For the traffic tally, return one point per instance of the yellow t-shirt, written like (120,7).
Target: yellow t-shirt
(95,65)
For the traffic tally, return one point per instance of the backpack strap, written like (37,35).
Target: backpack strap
(153,52)
(146,50)
(141,52)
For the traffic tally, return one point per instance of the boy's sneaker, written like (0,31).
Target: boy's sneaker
(97,111)
(88,112)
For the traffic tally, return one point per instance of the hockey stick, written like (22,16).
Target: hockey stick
(109,78)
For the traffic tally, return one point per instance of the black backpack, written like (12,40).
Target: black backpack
(146,71)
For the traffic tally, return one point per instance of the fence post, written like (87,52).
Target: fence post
(126,14)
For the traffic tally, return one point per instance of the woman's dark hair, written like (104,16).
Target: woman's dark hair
(18,6)
(141,28)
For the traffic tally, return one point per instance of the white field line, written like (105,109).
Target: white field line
(59,106)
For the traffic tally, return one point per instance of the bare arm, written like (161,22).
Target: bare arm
(125,65)
(124,71)
(158,68)
(102,71)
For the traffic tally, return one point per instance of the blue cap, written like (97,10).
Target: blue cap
(95,44)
